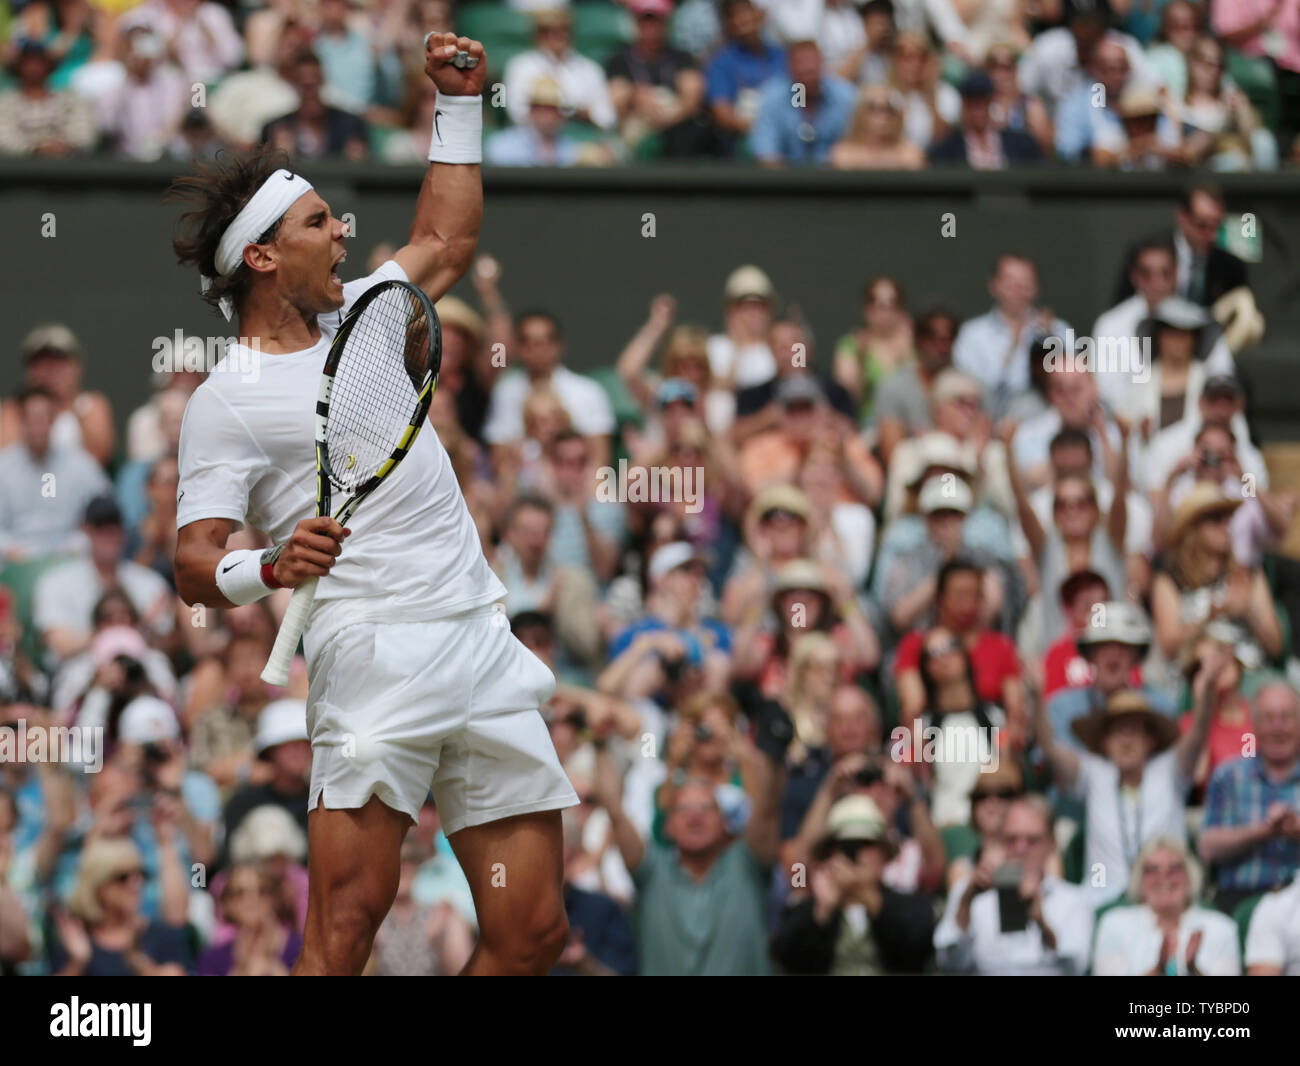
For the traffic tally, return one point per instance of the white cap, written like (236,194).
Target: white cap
(945,492)
(280,722)
(147,720)
(670,557)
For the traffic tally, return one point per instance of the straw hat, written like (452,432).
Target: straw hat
(1126,703)
(1205,498)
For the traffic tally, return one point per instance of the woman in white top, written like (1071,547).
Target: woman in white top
(1165,934)
(931,107)
(1220,128)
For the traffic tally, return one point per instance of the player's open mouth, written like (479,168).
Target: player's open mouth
(334,274)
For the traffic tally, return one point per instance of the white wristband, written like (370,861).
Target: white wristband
(457,130)
(239,577)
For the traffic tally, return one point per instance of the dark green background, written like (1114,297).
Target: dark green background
(571,241)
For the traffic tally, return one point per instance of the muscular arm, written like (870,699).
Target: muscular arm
(449,209)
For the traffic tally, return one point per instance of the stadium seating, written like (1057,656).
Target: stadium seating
(600,29)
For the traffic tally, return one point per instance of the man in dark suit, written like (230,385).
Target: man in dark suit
(1205,271)
(977,142)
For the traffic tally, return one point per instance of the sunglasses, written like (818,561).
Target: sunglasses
(1163,871)
(1063,503)
(850,849)
(125,876)
(778,512)
(937,648)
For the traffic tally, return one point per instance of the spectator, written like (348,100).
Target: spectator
(1073,407)
(930,105)
(1273,940)
(541,351)
(1050,929)
(583,89)
(82,419)
(658,91)
(1012,108)
(222,730)
(1181,24)
(314,129)
(1133,778)
(263,944)
(199,35)
(903,405)
(978,142)
(1251,831)
(1267,29)
(1093,105)
(1165,933)
(962,734)
(66,594)
(699,907)
(962,591)
(103,934)
(989,799)
(1112,639)
(1221,401)
(878,348)
(994,347)
(600,938)
(869,64)
(1148,136)
(850,922)
(281,740)
(1231,734)
(140,100)
(911,584)
(875,139)
(539,140)
(359,69)
(736,73)
(1200,581)
(415,940)
(1056,64)
(740,356)
(1205,271)
(37,120)
(1261,520)
(1220,127)
(44,487)
(800,120)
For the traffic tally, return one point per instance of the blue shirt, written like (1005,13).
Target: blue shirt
(694,646)
(1240,795)
(1070,703)
(801,134)
(522,146)
(735,68)
(984,349)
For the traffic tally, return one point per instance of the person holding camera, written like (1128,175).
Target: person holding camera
(848,922)
(1011,916)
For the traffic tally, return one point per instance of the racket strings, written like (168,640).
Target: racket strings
(387,357)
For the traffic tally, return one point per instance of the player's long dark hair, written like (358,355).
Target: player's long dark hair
(216,192)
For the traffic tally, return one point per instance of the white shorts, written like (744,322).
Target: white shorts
(400,708)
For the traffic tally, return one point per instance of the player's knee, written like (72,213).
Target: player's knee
(349,927)
(531,943)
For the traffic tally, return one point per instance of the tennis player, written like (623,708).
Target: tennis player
(416,682)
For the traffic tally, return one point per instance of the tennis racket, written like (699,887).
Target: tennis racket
(375,393)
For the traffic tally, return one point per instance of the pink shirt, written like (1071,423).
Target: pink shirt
(1280,39)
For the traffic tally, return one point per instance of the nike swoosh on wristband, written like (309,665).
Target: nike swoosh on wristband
(229,568)
(437,132)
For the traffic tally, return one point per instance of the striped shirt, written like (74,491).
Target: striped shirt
(1240,795)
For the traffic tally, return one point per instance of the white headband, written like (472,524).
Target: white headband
(262,211)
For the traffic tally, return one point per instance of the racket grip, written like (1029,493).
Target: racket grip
(291,627)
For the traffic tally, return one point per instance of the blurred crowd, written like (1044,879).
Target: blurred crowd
(930,647)
(886,84)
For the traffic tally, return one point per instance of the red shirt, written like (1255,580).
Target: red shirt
(1225,742)
(1064,667)
(992,658)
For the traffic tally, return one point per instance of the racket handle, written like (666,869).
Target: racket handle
(291,627)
